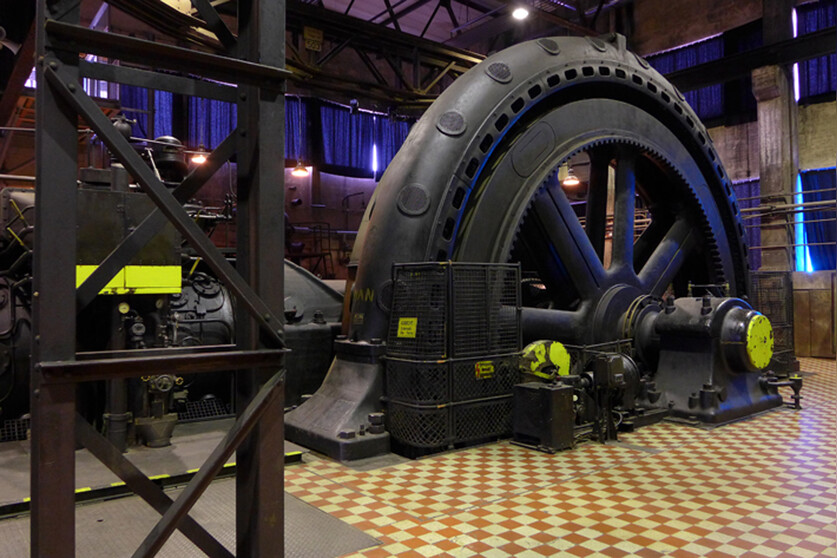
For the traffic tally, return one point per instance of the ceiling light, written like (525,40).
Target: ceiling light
(199,156)
(300,171)
(571,179)
(520,13)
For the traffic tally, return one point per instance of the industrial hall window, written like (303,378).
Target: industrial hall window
(817,77)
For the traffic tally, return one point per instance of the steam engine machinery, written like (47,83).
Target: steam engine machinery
(164,298)
(642,276)
(628,291)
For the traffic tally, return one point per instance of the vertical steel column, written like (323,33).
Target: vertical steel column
(260,234)
(54,311)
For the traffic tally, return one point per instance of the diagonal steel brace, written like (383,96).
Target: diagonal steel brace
(144,487)
(155,540)
(71,91)
(151,225)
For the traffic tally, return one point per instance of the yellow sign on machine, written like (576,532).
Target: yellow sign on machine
(137,279)
(407,328)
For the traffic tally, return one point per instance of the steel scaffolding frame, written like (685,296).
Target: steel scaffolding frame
(254,61)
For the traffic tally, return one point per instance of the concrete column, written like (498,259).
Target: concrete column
(778,161)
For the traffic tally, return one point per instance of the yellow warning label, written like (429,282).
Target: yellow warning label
(484,370)
(407,327)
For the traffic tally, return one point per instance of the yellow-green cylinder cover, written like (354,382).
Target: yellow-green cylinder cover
(759,341)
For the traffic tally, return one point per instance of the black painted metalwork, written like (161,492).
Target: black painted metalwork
(57,368)
(157,80)
(54,327)
(819,43)
(73,371)
(139,51)
(260,239)
(487,156)
(215,23)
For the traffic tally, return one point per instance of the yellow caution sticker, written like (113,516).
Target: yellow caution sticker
(484,370)
(407,328)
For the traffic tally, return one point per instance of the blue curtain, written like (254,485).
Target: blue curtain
(347,138)
(818,75)
(390,134)
(707,102)
(752,233)
(820,226)
(163,113)
(134,102)
(296,130)
(210,122)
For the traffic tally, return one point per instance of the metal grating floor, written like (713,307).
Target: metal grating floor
(115,528)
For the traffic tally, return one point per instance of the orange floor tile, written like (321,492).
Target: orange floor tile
(761,487)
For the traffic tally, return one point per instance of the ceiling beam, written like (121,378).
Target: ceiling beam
(819,43)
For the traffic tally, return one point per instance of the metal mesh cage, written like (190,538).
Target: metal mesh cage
(448,309)
(14,430)
(442,381)
(486,316)
(437,427)
(418,317)
(484,377)
(203,409)
(416,381)
(419,427)
(772,295)
(482,419)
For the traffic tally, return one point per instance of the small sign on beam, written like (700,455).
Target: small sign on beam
(313,38)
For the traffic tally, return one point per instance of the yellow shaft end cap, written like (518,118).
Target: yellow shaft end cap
(759,341)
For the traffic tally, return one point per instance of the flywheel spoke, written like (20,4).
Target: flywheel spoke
(623,211)
(568,241)
(596,210)
(539,323)
(667,259)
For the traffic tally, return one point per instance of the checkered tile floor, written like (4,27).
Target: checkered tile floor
(762,487)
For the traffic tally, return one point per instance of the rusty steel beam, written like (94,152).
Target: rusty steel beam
(144,487)
(74,371)
(155,540)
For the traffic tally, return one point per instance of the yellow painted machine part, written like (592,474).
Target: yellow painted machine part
(137,279)
(759,341)
(540,356)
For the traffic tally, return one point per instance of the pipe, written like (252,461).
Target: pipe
(21,178)
(117,415)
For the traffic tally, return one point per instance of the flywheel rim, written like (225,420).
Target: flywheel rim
(456,142)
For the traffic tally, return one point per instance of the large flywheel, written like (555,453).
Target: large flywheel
(478,180)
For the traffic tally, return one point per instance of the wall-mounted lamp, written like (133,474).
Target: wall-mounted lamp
(571,179)
(300,170)
(199,156)
(566,176)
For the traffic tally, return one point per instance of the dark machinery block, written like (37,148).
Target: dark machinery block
(711,351)
(342,418)
(543,416)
